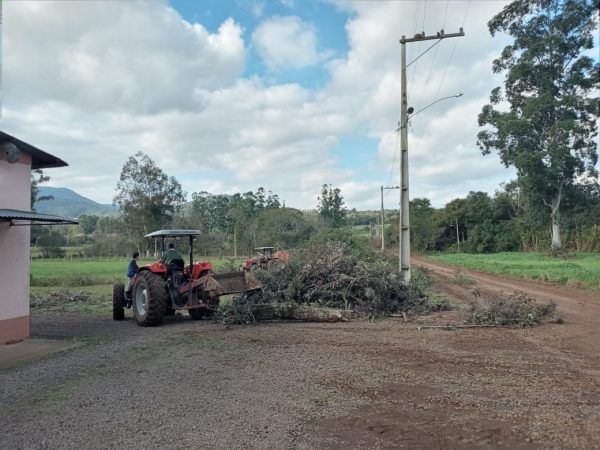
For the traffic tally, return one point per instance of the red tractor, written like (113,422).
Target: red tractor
(266,257)
(160,289)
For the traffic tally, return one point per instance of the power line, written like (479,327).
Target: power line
(466,13)
(426,122)
(417,4)
(445,14)
(429,74)
(413,76)
(434,54)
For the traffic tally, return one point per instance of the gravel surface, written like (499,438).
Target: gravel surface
(386,384)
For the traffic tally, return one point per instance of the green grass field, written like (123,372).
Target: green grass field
(70,273)
(92,277)
(583,268)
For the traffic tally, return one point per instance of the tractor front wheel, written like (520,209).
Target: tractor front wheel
(149,299)
(118,301)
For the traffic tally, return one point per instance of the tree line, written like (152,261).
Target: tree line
(504,222)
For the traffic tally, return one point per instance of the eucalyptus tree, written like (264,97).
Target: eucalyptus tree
(331,206)
(543,121)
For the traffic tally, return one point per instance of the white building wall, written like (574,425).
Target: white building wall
(15,193)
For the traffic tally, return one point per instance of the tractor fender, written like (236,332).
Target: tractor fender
(155,267)
(248,263)
(200,269)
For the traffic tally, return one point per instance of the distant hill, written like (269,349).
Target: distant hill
(70,204)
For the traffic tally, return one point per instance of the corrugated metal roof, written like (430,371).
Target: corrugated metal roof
(173,233)
(39,158)
(8,215)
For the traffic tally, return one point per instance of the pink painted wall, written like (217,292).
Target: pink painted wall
(15,193)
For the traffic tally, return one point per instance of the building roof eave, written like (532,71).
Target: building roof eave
(16,217)
(39,158)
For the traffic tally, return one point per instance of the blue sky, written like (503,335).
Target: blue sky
(327,19)
(231,95)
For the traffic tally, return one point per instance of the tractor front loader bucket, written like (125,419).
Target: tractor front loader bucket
(230,283)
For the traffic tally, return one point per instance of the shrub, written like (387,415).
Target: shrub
(52,251)
(517,309)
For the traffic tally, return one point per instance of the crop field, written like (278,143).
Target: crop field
(583,268)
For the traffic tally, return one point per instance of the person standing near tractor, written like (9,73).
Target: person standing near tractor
(132,270)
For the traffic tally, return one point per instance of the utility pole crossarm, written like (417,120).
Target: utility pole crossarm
(439,35)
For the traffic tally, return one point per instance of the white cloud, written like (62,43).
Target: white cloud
(136,56)
(78,82)
(286,42)
(257,9)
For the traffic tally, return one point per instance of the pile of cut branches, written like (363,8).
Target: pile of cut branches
(336,275)
(517,309)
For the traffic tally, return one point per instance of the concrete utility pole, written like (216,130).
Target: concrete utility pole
(404,258)
(457,237)
(383,216)
(234,242)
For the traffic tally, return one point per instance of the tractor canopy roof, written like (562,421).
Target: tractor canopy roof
(173,233)
(264,248)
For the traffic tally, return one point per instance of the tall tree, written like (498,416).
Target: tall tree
(88,223)
(331,206)
(38,177)
(548,130)
(147,197)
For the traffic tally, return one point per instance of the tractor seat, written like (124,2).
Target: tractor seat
(176,265)
(177,277)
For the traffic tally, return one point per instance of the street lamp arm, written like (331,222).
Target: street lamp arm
(437,101)
(431,104)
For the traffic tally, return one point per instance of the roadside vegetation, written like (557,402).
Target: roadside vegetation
(581,268)
(516,310)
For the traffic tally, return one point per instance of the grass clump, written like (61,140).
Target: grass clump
(517,310)
(461,279)
(71,301)
(58,298)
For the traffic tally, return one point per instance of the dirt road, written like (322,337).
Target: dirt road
(574,303)
(580,309)
(292,385)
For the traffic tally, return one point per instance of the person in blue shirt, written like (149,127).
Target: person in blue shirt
(132,269)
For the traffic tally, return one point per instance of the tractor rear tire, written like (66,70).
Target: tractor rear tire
(118,301)
(149,299)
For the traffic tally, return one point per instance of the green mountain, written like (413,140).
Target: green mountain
(68,203)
